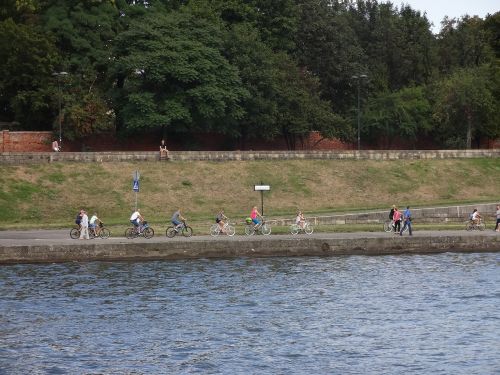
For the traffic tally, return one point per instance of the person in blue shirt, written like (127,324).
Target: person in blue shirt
(407,219)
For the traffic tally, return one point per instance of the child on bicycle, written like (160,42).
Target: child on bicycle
(94,220)
(255,215)
(300,220)
(475,217)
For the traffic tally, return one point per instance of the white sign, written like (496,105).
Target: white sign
(135,186)
(262,187)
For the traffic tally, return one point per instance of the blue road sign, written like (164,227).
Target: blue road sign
(135,186)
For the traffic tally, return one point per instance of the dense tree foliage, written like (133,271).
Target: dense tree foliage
(249,69)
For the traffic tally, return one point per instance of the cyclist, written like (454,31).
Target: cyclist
(177,219)
(136,219)
(219,219)
(94,220)
(475,216)
(255,215)
(300,220)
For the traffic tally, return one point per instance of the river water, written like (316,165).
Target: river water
(433,314)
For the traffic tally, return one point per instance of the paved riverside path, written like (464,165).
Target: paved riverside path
(61,236)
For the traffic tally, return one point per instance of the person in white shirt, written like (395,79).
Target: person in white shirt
(84,231)
(475,216)
(136,219)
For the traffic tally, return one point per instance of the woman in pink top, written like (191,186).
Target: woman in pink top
(397,220)
(254,215)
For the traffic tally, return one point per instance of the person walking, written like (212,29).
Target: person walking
(396,217)
(497,226)
(407,219)
(84,232)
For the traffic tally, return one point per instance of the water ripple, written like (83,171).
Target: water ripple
(348,315)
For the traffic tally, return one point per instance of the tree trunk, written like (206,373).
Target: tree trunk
(468,141)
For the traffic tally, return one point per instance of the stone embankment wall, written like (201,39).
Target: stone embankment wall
(49,157)
(272,246)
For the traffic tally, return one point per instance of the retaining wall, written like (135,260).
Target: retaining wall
(273,246)
(49,157)
(449,214)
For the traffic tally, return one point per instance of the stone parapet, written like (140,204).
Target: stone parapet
(127,156)
(268,246)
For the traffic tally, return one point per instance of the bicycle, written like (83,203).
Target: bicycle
(145,230)
(471,225)
(74,233)
(296,228)
(261,228)
(390,227)
(227,229)
(185,229)
(99,231)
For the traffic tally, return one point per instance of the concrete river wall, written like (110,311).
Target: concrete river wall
(29,251)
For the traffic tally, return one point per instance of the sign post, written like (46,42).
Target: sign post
(135,185)
(262,188)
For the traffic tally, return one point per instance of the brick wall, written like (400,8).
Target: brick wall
(25,141)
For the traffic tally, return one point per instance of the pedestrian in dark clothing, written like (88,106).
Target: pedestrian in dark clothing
(407,219)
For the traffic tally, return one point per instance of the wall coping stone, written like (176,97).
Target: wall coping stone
(117,156)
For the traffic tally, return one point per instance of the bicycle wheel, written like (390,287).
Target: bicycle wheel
(74,233)
(469,226)
(249,230)
(308,229)
(187,231)
(388,226)
(130,233)
(230,230)
(148,232)
(92,234)
(265,229)
(105,233)
(214,230)
(294,229)
(170,232)
(481,226)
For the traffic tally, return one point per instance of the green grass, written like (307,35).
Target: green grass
(49,195)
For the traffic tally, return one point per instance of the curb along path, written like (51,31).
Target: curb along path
(30,248)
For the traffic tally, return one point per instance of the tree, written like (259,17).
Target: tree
(467,106)
(300,107)
(328,47)
(397,115)
(463,43)
(27,60)
(175,74)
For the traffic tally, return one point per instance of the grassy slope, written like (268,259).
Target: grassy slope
(53,193)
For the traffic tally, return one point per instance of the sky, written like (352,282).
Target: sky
(437,9)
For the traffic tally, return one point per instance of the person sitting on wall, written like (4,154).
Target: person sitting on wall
(55,146)
(163,150)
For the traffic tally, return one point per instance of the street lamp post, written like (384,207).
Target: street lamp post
(59,75)
(358,79)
